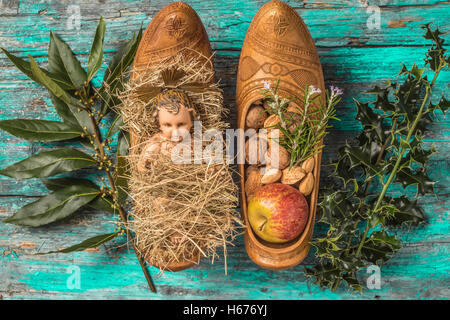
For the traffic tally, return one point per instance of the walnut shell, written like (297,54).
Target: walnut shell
(255,117)
(307,184)
(249,170)
(271,175)
(292,175)
(284,158)
(253,183)
(308,165)
(260,157)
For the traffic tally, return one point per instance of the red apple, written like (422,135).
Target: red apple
(278,213)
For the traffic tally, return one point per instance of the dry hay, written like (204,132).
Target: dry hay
(179,212)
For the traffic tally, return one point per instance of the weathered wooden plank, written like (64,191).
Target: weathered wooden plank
(226,23)
(353,57)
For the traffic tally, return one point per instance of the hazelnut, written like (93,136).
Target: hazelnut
(292,175)
(307,184)
(272,121)
(271,175)
(308,165)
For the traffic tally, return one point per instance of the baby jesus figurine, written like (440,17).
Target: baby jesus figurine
(175,115)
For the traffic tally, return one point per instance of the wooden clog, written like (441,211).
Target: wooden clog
(175,29)
(277,45)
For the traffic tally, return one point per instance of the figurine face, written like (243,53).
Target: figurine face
(175,125)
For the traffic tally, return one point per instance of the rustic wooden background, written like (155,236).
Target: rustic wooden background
(354,57)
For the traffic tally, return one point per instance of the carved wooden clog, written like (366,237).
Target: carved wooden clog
(175,29)
(277,45)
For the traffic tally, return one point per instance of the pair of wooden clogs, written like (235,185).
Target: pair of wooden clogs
(278,45)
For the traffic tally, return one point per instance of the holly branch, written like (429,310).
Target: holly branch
(389,150)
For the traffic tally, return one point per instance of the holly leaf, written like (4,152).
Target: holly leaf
(409,94)
(54,206)
(379,247)
(93,242)
(436,54)
(336,208)
(368,118)
(418,154)
(382,101)
(360,157)
(443,105)
(407,211)
(324,274)
(39,130)
(48,163)
(419,178)
(386,136)
(353,282)
(342,171)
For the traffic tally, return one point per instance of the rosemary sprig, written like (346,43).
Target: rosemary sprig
(303,120)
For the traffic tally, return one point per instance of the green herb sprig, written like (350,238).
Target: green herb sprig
(82,108)
(388,150)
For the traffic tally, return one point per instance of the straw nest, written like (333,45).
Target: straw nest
(180,212)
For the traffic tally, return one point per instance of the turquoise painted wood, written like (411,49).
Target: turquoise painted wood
(353,56)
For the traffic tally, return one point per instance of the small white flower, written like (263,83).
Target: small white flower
(336,91)
(313,89)
(267,84)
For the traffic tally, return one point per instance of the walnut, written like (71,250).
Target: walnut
(255,118)
(284,158)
